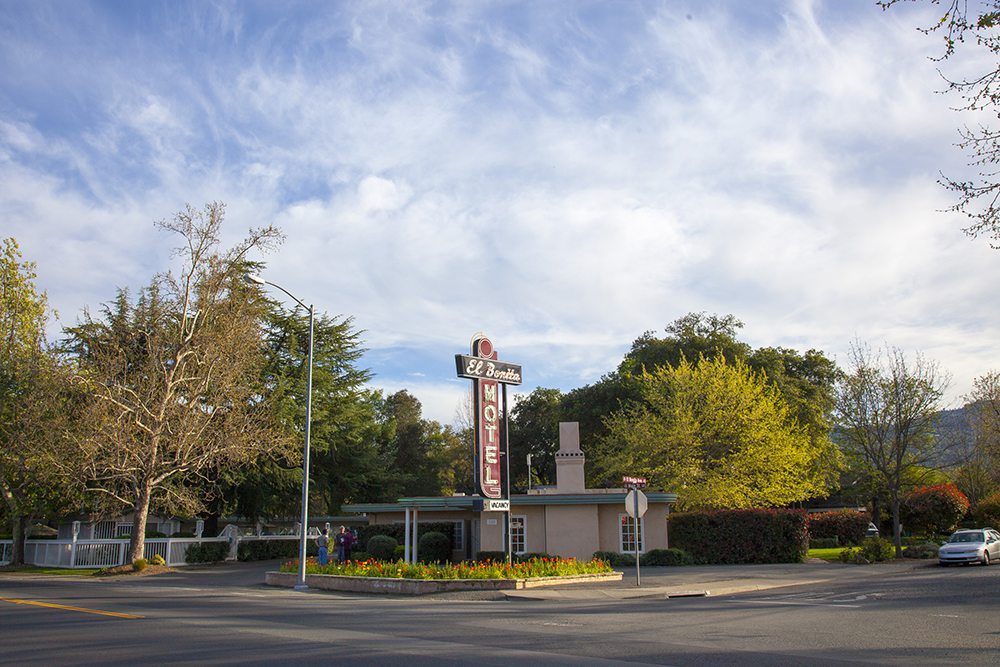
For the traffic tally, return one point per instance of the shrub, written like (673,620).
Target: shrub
(660,557)
(399,552)
(381,547)
(360,555)
(396,530)
(139,564)
(847,527)
(925,550)
(987,511)
(823,542)
(250,550)
(933,509)
(157,559)
(741,536)
(434,547)
(615,559)
(207,552)
(872,550)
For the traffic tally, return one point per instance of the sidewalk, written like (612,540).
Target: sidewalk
(705,580)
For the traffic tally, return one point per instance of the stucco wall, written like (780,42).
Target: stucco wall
(491,527)
(572,530)
(655,526)
(535,540)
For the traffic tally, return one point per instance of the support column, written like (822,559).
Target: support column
(406,534)
(415,521)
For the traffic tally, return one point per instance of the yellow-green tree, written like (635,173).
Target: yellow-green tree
(36,402)
(720,435)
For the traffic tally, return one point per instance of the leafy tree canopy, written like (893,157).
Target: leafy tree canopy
(37,403)
(719,434)
(173,374)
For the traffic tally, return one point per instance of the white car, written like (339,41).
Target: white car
(981,545)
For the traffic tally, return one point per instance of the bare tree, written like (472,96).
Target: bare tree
(174,375)
(966,25)
(887,409)
(983,407)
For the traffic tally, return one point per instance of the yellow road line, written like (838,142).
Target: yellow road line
(69,608)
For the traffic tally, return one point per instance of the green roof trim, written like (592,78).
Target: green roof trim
(456,503)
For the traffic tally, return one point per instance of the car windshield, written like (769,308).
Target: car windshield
(967,537)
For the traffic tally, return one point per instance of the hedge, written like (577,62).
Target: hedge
(271,549)
(661,557)
(847,526)
(652,558)
(397,531)
(741,536)
(207,552)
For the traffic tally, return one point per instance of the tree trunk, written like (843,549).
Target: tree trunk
(876,513)
(137,544)
(897,537)
(18,523)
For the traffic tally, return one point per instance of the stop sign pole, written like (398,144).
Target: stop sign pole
(638,508)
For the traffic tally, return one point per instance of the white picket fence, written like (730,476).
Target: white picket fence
(109,553)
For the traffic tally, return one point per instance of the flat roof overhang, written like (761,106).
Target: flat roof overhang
(459,503)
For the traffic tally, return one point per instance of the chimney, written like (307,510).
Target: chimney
(569,460)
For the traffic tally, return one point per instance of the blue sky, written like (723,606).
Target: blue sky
(562,176)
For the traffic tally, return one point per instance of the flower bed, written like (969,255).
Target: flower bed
(408,579)
(536,567)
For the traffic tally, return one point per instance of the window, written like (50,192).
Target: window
(626,534)
(518,534)
(458,539)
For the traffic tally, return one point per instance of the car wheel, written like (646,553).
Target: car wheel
(986,558)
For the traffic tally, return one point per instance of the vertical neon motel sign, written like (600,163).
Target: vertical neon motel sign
(487,374)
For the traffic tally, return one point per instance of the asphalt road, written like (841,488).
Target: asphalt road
(887,615)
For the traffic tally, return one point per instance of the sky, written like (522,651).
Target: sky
(559,175)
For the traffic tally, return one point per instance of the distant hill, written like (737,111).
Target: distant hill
(955,437)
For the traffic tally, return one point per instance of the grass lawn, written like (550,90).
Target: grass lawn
(31,569)
(832,554)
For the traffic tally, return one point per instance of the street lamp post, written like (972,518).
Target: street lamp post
(301,583)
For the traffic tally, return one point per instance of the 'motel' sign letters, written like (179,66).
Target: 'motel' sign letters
(487,373)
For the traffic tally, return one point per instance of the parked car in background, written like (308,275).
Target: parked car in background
(981,545)
(872,530)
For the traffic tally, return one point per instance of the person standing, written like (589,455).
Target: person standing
(323,542)
(344,541)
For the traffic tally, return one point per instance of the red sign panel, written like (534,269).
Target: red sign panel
(630,482)
(488,425)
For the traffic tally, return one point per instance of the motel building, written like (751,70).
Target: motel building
(568,520)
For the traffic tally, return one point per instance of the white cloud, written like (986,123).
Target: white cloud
(561,176)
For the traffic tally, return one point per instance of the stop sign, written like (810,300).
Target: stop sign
(635,503)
